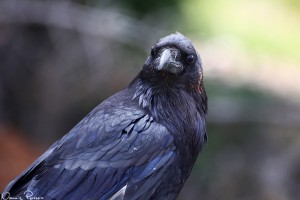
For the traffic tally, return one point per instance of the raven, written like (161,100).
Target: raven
(140,143)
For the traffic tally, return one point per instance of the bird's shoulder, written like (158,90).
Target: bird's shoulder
(117,142)
(116,132)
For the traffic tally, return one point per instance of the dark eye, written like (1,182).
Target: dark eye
(153,52)
(190,58)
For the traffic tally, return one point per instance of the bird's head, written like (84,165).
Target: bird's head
(173,70)
(174,59)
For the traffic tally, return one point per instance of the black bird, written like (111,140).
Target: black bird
(140,143)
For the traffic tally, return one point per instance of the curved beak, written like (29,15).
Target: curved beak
(169,60)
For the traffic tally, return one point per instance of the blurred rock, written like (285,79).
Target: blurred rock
(17,152)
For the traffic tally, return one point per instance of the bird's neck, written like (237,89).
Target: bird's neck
(182,112)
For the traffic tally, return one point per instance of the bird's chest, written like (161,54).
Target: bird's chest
(188,140)
(172,181)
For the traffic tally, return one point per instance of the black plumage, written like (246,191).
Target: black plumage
(140,143)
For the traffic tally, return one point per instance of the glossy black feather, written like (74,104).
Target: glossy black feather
(140,143)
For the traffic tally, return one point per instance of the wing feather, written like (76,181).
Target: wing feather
(109,154)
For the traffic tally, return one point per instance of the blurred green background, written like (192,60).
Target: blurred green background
(60,58)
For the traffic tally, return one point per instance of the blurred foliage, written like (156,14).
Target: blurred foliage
(140,8)
(148,6)
(263,26)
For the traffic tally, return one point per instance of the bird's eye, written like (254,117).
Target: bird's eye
(191,58)
(153,52)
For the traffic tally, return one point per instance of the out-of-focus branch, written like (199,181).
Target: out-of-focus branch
(108,23)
